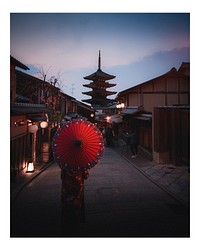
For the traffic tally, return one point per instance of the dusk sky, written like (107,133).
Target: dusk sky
(135,47)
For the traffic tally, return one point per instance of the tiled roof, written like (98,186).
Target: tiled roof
(27,108)
(17,63)
(98,75)
(173,73)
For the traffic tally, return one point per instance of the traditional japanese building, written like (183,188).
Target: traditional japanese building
(99,85)
(159,111)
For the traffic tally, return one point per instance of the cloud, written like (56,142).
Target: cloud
(149,67)
(127,75)
(70,53)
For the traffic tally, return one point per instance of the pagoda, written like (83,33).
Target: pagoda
(99,85)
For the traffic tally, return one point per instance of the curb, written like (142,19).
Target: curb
(17,190)
(185,204)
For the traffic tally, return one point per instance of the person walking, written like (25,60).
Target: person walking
(115,127)
(133,143)
(109,135)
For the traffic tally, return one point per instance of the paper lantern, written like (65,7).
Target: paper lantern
(30,167)
(44,124)
(33,128)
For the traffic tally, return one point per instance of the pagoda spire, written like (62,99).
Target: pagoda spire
(99,62)
(99,85)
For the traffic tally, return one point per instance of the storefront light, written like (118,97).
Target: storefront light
(108,119)
(120,106)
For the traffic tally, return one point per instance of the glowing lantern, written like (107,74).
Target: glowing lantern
(33,128)
(44,124)
(30,167)
(108,118)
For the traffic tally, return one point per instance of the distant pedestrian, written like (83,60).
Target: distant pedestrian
(115,127)
(133,143)
(109,135)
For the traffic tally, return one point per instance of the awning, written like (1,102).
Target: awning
(143,117)
(116,118)
(130,111)
(20,98)
(36,118)
(66,117)
(112,118)
(28,108)
(72,114)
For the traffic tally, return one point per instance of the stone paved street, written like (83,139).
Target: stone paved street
(174,179)
(120,201)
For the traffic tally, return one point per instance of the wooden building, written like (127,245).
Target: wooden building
(171,91)
(171,134)
(22,112)
(171,88)
(13,64)
(31,104)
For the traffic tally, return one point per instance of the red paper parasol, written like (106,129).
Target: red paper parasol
(77,145)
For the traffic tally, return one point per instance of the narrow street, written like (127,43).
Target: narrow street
(119,201)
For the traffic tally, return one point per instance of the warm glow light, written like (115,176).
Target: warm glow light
(92,115)
(122,105)
(33,128)
(108,119)
(44,124)
(30,167)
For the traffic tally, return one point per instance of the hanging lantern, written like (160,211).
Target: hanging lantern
(44,124)
(33,129)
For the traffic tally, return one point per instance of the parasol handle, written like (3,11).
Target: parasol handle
(78,143)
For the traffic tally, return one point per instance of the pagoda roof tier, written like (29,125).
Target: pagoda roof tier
(99,74)
(97,101)
(95,85)
(101,92)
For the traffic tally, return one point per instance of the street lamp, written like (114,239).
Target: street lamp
(92,117)
(30,167)
(108,118)
(44,124)
(32,129)
(120,106)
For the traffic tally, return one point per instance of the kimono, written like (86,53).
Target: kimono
(73,197)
